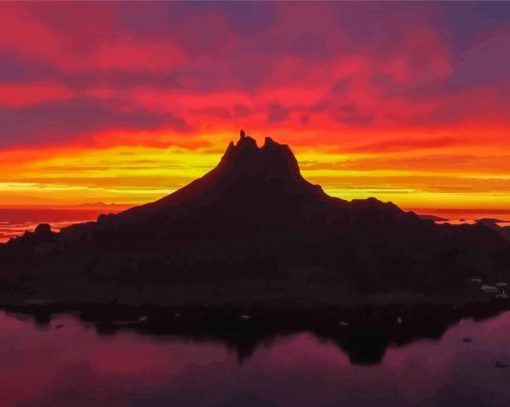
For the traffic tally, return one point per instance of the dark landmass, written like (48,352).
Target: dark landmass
(432,218)
(489,221)
(101,205)
(505,232)
(492,223)
(254,231)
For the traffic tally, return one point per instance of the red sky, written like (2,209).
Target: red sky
(125,102)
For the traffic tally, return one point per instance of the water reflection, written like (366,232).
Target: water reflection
(363,334)
(190,362)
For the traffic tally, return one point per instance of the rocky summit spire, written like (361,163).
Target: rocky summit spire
(272,160)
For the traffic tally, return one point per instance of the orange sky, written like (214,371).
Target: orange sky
(127,102)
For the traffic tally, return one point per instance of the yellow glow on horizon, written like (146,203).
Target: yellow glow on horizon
(131,175)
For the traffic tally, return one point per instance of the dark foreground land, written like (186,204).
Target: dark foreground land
(254,234)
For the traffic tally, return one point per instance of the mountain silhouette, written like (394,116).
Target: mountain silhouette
(253,227)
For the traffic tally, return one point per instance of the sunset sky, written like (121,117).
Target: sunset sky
(126,102)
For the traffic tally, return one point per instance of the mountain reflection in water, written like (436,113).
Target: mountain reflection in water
(66,360)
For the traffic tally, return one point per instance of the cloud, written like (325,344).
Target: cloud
(406,144)
(57,121)
(351,114)
(310,46)
(276,113)
(17,67)
(18,95)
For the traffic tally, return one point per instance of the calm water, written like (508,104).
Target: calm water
(67,363)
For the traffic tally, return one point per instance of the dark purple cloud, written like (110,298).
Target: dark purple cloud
(309,45)
(276,113)
(18,67)
(60,120)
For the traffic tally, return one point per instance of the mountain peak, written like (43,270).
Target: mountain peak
(245,170)
(272,160)
(246,141)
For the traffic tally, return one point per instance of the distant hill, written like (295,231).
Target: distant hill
(253,227)
(433,218)
(101,204)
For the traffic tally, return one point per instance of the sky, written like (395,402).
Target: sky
(126,102)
